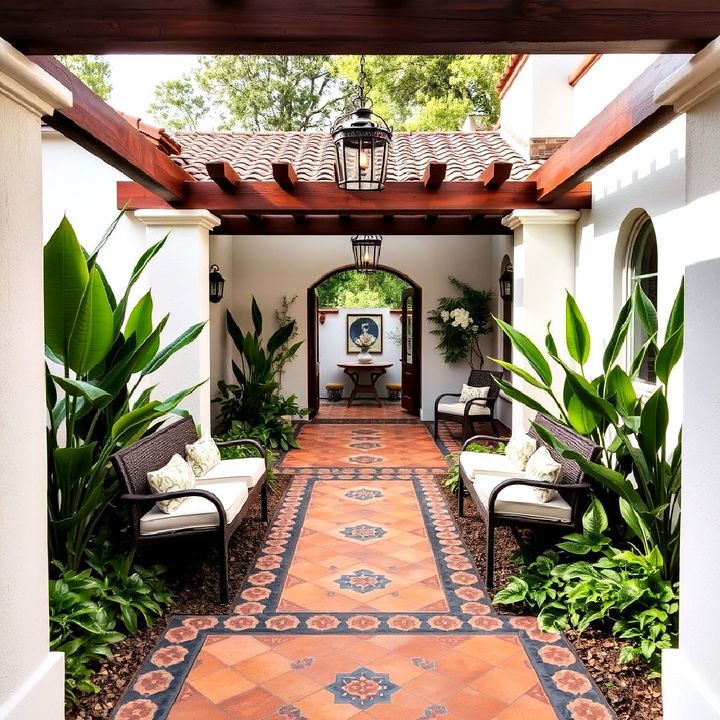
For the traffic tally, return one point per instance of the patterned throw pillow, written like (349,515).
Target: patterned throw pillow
(176,475)
(519,450)
(541,466)
(470,392)
(202,456)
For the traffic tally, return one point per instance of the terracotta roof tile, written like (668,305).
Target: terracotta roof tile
(312,154)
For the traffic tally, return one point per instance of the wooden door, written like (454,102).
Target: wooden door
(411,320)
(313,348)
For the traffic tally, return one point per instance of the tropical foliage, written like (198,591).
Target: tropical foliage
(641,473)
(93,70)
(461,321)
(350,289)
(452,479)
(254,407)
(98,359)
(587,582)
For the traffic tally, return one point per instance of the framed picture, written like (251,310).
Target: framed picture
(366,330)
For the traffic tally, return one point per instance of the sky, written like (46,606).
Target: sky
(134,77)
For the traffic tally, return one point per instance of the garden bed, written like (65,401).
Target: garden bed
(193,581)
(627,687)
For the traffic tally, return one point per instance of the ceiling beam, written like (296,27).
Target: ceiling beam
(325,198)
(284,175)
(51,27)
(434,175)
(495,174)
(630,118)
(223,174)
(355,224)
(95,126)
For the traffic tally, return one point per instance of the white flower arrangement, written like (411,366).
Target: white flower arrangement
(459,317)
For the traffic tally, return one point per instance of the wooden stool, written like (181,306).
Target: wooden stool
(334,391)
(393,391)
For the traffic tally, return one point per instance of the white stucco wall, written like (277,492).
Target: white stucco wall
(333,348)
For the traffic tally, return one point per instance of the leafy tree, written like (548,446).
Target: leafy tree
(353,289)
(178,105)
(253,92)
(93,70)
(429,92)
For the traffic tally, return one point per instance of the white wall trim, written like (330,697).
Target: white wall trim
(28,84)
(178,218)
(683,690)
(518,218)
(693,82)
(41,695)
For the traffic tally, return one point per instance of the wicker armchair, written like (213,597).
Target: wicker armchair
(573,489)
(473,411)
(152,452)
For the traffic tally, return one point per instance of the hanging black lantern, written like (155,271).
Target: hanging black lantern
(362,143)
(366,249)
(506,284)
(217,284)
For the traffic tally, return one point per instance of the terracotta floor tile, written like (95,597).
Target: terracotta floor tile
(292,686)
(491,648)
(404,705)
(195,707)
(469,704)
(255,703)
(463,667)
(235,649)
(263,667)
(321,706)
(504,684)
(528,707)
(434,686)
(221,685)
(205,664)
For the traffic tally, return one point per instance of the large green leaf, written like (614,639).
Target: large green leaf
(677,314)
(577,335)
(524,374)
(92,260)
(65,279)
(71,465)
(582,419)
(594,519)
(635,522)
(619,333)
(668,355)
(620,392)
(588,395)
(640,357)
(92,333)
(527,347)
(93,394)
(234,330)
(521,397)
(645,311)
(140,323)
(145,413)
(653,423)
(256,317)
(280,337)
(167,352)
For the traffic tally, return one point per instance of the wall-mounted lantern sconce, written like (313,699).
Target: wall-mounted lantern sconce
(506,284)
(217,284)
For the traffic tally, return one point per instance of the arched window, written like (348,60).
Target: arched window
(643,270)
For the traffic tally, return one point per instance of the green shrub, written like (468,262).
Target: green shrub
(623,591)
(92,609)
(452,479)
(262,435)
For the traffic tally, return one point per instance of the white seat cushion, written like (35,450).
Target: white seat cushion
(458,408)
(519,499)
(474,462)
(248,469)
(197,512)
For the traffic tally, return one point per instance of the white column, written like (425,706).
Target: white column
(180,286)
(31,677)
(691,673)
(543,269)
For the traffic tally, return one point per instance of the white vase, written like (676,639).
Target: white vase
(364,357)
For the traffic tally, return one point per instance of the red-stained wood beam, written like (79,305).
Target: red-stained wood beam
(434,175)
(495,174)
(95,126)
(223,174)
(583,67)
(285,175)
(355,224)
(325,198)
(630,118)
(52,27)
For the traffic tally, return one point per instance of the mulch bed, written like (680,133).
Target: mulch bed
(192,577)
(628,689)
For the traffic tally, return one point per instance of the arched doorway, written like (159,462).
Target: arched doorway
(410,344)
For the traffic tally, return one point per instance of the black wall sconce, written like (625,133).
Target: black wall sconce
(217,284)
(506,284)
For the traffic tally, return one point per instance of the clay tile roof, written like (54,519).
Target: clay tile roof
(312,154)
(511,71)
(156,135)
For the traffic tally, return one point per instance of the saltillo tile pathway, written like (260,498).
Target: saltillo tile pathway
(363,603)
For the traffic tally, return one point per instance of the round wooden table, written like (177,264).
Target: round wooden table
(353,370)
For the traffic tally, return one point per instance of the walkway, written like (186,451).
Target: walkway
(363,603)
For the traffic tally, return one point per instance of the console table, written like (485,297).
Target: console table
(353,370)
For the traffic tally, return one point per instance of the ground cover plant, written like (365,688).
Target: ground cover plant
(99,400)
